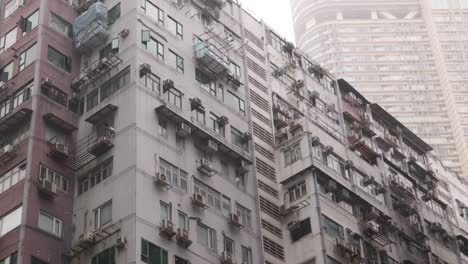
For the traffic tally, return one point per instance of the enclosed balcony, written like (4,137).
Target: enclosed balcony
(210,59)
(91,28)
(364,147)
(7,153)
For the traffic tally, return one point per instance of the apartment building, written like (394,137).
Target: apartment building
(407,56)
(188,132)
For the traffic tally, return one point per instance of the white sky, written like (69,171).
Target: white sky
(275,13)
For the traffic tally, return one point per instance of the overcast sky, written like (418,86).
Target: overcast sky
(276,13)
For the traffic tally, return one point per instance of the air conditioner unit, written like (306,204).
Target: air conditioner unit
(246,137)
(282,132)
(87,237)
(244,167)
(167,227)
(299,84)
(20,3)
(223,121)
(293,225)
(47,82)
(183,130)
(315,141)
(168,85)
(368,180)
(330,108)
(314,95)
(120,242)
(195,103)
(62,148)
(380,189)
(327,150)
(331,186)
(372,213)
(6,149)
(234,220)
(145,68)
(211,146)
(161,179)
(124,32)
(373,226)
(349,164)
(205,166)
(198,200)
(226,258)
(183,238)
(49,186)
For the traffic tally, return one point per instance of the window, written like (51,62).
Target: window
(49,224)
(110,49)
(103,215)
(176,28)
(59,180)
(153,11)
(246,255)
(179,260)
(212,197)
(31,22)
(165,211)
(61,25)
(335,164)
(174,97)
(183,221)
(234,70)
(237,138)
(226,206)
(6,73)
(28,56)
(95,176)
(177,60)
(10,221)
(8,40)
(332,228)
(200,115)
(214,124)
(12,177)
(105,257)
(16,99)
(304,228)
(152,82)
(162,128)
(11,259)
(113,14)
(235,102)
(12,6)
(292,155)
(245,216)
(58,59)
(228,245)
(92,99)
(176,176)
(153,254)
(209,84)
(297,191)
(117,82)
(206,236)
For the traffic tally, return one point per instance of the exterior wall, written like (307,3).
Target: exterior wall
(414,64)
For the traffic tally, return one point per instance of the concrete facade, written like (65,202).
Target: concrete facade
(196,136)
(398,53)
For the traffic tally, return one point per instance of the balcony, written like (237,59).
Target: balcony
(14,118)
(89,239)
(364,146)
(348,249)
(183,238)
(404,207)
(375,231)
(204,133)
(7,153)
(91,29)
(95,71)
(352,112)
(210,59)
(401,189)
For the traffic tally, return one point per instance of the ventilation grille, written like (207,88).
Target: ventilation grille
(255,53)
(259,70)
(265,169)
(262,134)
(257,84)
(270,155)
(259,101)
(271,228)
(267,188)
(251,36)
(272,248)
(269,208)
(261,117)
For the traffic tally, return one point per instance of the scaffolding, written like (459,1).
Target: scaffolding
(91,28)
(95,71)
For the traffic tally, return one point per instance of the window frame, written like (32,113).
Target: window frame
(159,12)
(23,62)
(98,224)
(56,21)
(177,25)
(67,62)
(4,45)
(55,221)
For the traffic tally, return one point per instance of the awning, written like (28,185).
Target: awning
(102,113)
(59,122)
(205,133)
(15,118)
